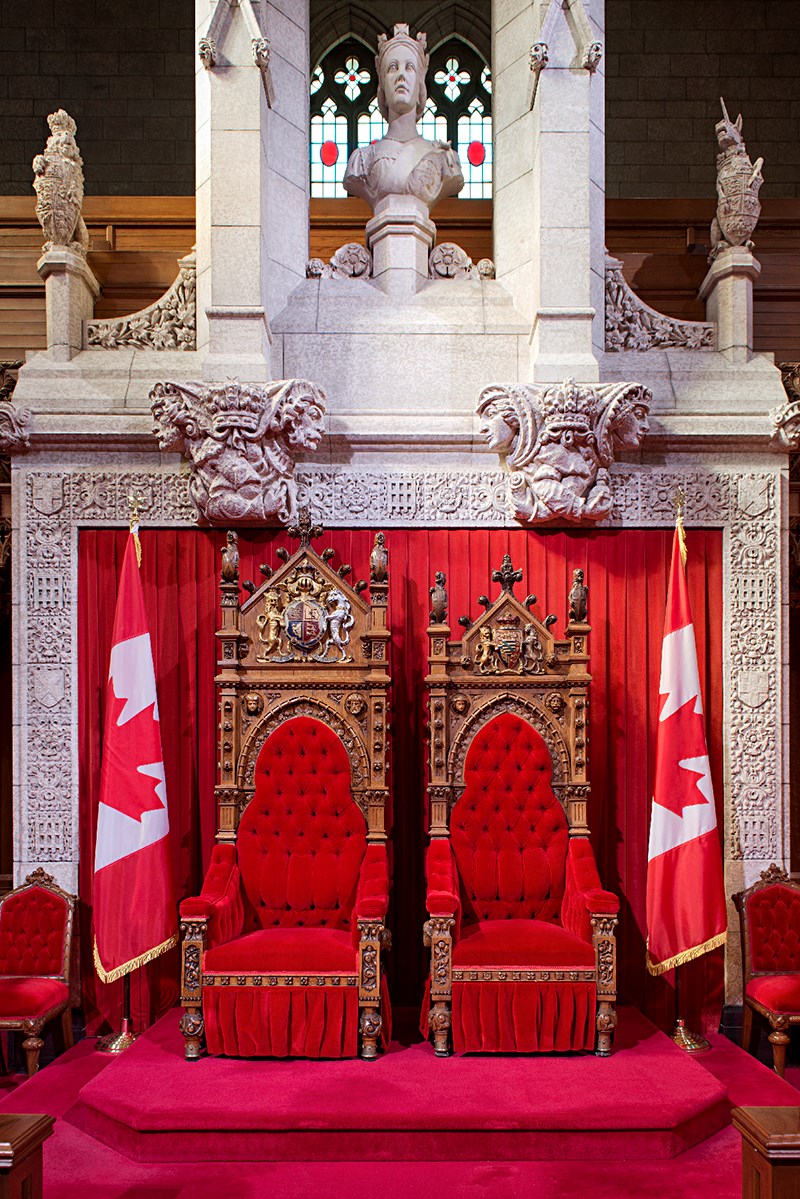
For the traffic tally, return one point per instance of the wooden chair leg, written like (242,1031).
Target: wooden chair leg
(193,1028)
(371,1024)
(779,1039)
(32,1045)
(440,1022)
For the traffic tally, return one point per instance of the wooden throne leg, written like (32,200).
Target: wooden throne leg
(32,1044)
(779,1039)
(605,947)
(749,1030)
(370,1024)
(606,1024)
(193,1028)
(440,1022)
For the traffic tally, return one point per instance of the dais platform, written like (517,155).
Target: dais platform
(647,1101)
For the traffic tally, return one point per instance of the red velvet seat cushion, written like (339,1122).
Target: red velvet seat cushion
(285,951)
(773,915)
(521,944)
(778,992)
(32,924)
(508,831)
(302,837)
(29,998)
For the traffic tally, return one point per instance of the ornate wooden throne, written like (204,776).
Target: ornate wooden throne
(521,934)
(281,952)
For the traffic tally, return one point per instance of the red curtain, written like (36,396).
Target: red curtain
(626,572)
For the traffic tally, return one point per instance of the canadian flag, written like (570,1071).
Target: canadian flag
(685,893)
(134,899)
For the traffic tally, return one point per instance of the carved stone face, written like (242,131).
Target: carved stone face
(631,428)
(498,433)
(305,430)
(400,79)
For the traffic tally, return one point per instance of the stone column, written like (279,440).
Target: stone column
(549,196)
(70,289)
(400,238)
(252,176)
(728,294)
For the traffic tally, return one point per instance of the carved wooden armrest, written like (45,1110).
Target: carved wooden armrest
(194,931)
(605,950)
(220,901)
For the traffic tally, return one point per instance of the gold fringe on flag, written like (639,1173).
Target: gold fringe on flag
(111,976)
(688,955)
(679,500)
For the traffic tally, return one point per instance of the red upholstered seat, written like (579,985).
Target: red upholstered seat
(32,928)
(778,992)
(285,950)
(29,998)
(527,944)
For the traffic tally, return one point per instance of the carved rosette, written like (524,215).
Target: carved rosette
(241,441)
(449,261)
(168,324)
(633,325)
(559,441)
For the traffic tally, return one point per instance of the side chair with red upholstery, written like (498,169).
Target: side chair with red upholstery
(769,915)
(281,951)
(35,947)
(523,951)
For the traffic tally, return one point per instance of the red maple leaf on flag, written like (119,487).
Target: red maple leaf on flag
(681,759)
(133,759)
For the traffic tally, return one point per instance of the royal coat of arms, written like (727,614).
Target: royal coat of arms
(305,616)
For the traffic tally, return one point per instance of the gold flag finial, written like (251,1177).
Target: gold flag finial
(135,505)
(679,500)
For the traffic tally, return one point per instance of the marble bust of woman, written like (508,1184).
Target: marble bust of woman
(403,163)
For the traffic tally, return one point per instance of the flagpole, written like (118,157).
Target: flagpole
(118,1042)
(683,1036)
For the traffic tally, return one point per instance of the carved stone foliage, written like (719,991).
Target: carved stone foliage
(351,261)
(738,184)
(558,442)
(168,324)
(633,325)
(58,183)
(241,442)
(15,420)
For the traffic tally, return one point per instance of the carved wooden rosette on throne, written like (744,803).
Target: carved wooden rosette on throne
(521,934)
(293,906)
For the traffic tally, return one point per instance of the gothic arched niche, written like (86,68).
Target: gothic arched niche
(344,112)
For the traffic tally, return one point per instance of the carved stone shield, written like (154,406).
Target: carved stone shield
(752,687)
(739,207)
(753,495)
(47,494)
(48,686)
(508,643)
(305,622)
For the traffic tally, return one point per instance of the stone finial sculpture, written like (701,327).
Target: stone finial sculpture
(578,598)
(230,558)
(58,183)
(403,162)
(438,594)
(379,560)
(241,441)
(559,440)
(738,185)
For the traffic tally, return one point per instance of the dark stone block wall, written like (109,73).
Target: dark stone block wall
(125,71)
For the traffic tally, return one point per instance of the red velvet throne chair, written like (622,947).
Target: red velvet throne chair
(281,951)
(35,949)
(521,933)
(769,915)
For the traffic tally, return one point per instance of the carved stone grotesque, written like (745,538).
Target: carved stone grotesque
(241,441)
(558,442)
(15,420)
(379,560)
(578,598)
(738,185)
(403,162)
(58,183)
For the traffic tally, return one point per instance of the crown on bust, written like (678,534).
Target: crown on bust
(569,403)
(401,35)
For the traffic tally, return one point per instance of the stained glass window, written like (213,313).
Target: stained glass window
(344,112)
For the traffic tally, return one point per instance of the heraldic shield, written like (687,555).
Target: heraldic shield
(521,934)
(282,951)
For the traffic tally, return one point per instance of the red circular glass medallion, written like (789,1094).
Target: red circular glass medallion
(476,153)
(329,153)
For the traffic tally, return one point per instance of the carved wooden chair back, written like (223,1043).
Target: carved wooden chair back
(36,929)
(509,682)
(769,913)
(302,673)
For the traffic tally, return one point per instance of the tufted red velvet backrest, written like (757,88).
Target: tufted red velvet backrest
(773,915)
(302,837)
(32,927)
(508,831)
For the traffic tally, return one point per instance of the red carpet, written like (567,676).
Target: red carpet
(77,1165)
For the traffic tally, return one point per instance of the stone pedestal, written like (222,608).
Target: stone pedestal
(727,291)
(70,292)
(400,238)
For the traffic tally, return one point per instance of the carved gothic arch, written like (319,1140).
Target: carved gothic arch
(338,21)
(527,709)
(458,19)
